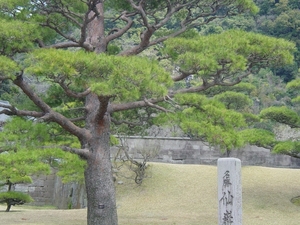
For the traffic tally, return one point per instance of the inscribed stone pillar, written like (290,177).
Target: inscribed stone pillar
(229,191)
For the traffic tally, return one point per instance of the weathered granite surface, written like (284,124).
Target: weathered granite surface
(229,191)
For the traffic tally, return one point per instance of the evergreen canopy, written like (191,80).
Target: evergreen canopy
(67,45)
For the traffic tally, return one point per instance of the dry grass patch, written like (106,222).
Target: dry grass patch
(28,216)
(185,195)
(176,194)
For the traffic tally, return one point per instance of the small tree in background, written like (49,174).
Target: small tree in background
(16,168)
(25,150)
(123,158)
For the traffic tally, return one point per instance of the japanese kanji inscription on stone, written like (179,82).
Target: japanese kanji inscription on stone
(229,191)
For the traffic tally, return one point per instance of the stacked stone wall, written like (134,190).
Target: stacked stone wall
(189,151)
(48,190)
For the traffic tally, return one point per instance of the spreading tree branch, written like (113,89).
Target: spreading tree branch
(151,102)
(84,153)
(47,112)
(192,20)
(119,32)
(182,75)
(70,93)
(148,103)
(15,112)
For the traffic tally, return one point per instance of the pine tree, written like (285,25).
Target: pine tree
(16,168)
(64,43)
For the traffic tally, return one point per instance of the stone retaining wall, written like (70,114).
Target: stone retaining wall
(49,190)
(189,151)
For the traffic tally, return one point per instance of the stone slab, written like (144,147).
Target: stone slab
(229,191)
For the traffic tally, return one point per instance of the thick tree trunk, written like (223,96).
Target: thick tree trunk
(98,174)
(96,30)
(100,187)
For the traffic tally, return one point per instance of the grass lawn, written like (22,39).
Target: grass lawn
(184,195)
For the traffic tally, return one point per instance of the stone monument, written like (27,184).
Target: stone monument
(229,191)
